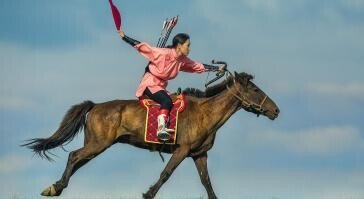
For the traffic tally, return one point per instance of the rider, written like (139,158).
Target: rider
(164,64)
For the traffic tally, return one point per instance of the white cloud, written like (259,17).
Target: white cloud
(288,183)
(349,90)
(11,163)
(104,69)
(312,141)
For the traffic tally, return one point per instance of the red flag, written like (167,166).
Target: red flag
(116,15)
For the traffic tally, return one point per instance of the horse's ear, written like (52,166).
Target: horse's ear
(236,74)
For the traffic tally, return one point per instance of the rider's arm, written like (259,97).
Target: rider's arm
(147,51)
(127,39)
(192,66)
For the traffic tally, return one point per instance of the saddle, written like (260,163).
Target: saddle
(151,124)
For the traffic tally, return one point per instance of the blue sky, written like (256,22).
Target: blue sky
(307,55)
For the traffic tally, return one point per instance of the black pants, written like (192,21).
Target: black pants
(161,97)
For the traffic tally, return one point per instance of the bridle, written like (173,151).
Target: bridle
(250,106)
(245,103)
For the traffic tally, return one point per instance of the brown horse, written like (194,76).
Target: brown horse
(123,121)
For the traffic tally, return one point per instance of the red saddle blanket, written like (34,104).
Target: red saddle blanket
(151,124)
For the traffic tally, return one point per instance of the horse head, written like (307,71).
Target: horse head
(252,98)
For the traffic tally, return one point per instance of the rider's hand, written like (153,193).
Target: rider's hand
(221,68)
(121,33)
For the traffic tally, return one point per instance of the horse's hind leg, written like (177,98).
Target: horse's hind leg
(178,156)
(76,159)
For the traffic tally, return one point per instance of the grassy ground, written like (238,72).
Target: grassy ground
(128,197)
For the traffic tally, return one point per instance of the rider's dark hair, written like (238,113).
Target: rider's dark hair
(180,38)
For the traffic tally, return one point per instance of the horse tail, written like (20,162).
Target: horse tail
(72,123)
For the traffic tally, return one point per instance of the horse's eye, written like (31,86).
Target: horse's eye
(256,90)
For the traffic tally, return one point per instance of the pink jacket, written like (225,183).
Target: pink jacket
(164,65)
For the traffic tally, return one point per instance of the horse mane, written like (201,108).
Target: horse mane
(195,92)
(217,88)
(210,91)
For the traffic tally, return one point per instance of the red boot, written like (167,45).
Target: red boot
(163,131)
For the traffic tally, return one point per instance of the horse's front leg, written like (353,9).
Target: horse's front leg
(201,165)
(178,156)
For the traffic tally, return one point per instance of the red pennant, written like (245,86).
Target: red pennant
(116,15)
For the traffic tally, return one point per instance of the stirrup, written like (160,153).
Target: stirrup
(163,135)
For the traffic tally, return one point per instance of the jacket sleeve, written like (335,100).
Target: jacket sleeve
(150,53)
(192,66)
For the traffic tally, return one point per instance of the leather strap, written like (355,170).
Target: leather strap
(131,41)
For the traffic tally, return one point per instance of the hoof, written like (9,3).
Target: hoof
(50,191)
